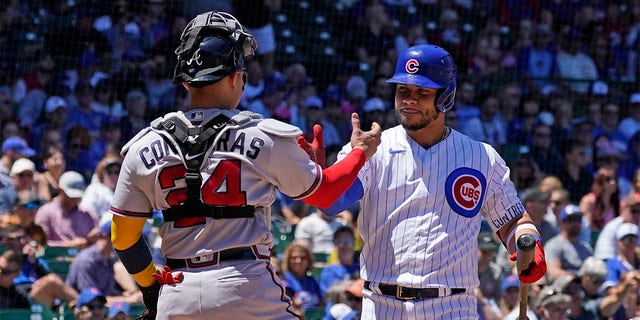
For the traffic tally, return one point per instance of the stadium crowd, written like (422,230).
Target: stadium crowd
(552,85)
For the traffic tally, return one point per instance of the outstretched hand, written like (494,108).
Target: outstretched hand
(315,149)
(167,277)
(368,141)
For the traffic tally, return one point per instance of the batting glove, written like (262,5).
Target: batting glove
(537,268)
(166,277)
(315,149)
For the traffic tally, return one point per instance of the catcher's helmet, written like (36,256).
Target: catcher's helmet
(213,45)
(428,66)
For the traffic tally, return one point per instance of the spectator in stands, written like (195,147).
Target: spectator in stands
(610,121)
(566,252)
(63,222)
(136,117)
(38,84)
(55,118)
(98,195)
(606,244)
(316,231)
(10,297)
(347,266)
(521,124)
(553,304)
(91,305)
(627,259)
(255,83)
(602,203)
(631,123)
(258,14)
(537,62)
(543,150)
(22,175)
(109,140)
(535,203)
(83,115)
(301,287)
(24,211)
(96,266)
(105,100)
(629,164)
(313,112)
(576,66)
(373,38)
(592,274)
(373,110)
(466,104)
(609,154)
(35,279)
(574,174)
(76,151)
(13,148)
(509,287)
(525,172)
(489,272)
(487,127)
(510,95)
(54,165)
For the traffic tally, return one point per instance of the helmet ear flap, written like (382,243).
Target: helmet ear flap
(446,97)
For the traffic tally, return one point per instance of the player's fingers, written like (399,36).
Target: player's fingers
(355,121)
(303,143)
(318,137)
(375,128)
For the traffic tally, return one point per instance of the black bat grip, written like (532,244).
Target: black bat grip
(525,244)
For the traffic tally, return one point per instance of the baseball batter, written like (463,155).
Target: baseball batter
(423,195)
(214,171)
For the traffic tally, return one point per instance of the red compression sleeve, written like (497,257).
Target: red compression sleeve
(337,179)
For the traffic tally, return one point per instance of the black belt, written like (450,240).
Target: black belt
(200,209)
(213,258)
(407,293)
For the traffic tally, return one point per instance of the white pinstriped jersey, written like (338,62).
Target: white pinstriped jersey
(421,210)
(247,166)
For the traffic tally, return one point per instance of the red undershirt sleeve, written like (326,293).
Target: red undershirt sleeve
(337,179)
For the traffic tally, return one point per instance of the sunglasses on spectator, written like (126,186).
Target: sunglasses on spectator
(596,280)
(25,174)
(346,242)
(629,239)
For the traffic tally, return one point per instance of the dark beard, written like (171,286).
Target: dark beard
(419,125)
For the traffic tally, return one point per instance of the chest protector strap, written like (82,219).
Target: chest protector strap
(194,143)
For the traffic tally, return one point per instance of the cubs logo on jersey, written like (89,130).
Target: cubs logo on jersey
(464,190)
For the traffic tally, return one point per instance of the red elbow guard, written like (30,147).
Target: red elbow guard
(337,179)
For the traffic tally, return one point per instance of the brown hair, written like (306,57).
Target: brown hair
(293,247)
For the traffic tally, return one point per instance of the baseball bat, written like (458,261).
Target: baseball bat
(526,245)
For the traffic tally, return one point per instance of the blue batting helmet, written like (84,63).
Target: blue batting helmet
(428,66)
(213,45)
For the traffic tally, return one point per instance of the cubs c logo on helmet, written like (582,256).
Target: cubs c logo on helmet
(465,190)
(412,66)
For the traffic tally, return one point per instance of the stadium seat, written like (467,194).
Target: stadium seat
(316,313)
(59,253)
(59,267)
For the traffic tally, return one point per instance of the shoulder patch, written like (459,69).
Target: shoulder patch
(464,190)
(279,128)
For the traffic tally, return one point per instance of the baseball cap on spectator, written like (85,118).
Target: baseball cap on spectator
(53,103)
(19,145)
(626,229)
(340,311)
(599,88)
(592,266)
(374,104)
(607,148)
(73,184)
(533,194)
(546,117)
(89,294)
(21,165)
(357,87)
(118,307)
(562,282)
(550,295)
(28,199)
(313,102)
(570,211)
(510,281)
(486,241)
(635,98)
